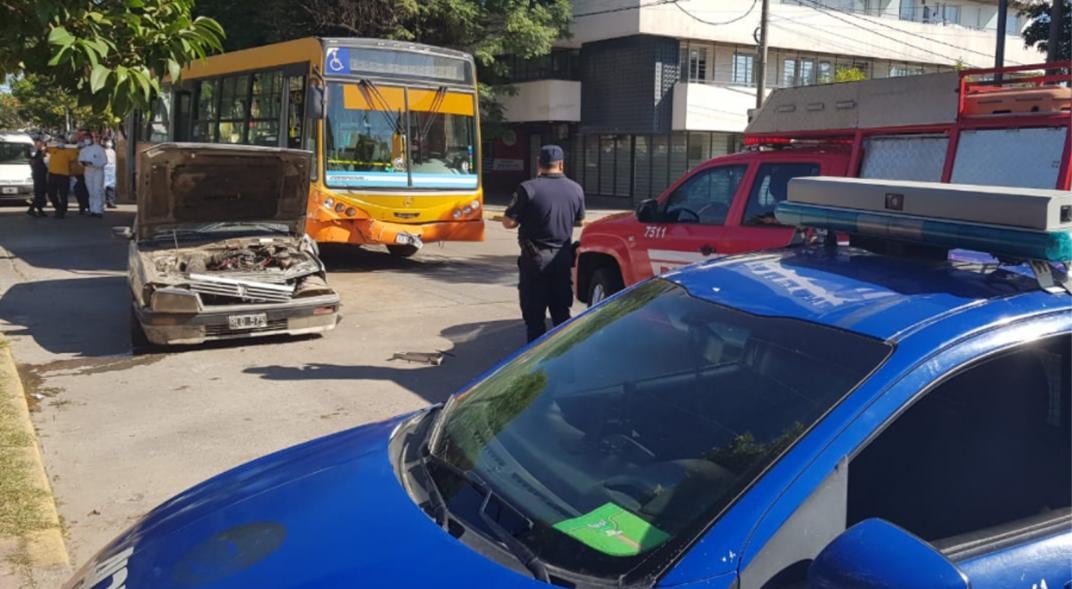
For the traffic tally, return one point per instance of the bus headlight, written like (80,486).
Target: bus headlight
(350,212)
(329,202)
(339,207)
(467,209)
(457,214)
(475,205)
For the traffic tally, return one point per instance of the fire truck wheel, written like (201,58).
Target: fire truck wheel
(605,282)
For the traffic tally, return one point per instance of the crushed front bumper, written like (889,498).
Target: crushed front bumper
(298,317)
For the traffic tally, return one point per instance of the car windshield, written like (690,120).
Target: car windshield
(385,136)
(14,153)
(629,430)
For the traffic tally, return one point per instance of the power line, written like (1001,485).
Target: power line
(624,8)
(855,50)
(829,11)
(718,24)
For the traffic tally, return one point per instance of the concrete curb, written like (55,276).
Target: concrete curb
(44,548)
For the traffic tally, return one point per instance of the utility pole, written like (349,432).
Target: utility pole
(761,65)
(1057,18)
(999,50)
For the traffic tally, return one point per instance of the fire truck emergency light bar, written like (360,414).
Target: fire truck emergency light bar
(1020,223)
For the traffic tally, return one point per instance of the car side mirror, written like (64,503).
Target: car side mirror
(647,211)
(122,232)
(876,554)
(314,98)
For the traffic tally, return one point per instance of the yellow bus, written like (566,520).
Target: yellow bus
(393,126)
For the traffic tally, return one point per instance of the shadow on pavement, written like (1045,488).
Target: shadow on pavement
(482,269)
(86,316)
(476,348)
(73,244)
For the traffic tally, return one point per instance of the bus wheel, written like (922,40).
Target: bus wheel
(403,251)
(604,282)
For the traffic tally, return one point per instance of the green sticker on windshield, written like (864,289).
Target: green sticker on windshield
(612,530)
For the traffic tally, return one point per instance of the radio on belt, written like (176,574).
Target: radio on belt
(1014,224)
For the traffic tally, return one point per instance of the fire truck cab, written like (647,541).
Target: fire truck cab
(1000,127)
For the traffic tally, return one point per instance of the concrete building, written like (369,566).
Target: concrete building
(647,89)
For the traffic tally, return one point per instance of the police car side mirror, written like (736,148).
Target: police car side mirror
(647,211)
(876,554)
(122,233)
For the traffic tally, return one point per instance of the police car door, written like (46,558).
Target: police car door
(690,221)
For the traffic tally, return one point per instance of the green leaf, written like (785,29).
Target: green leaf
(60,36)
(58,57)
(91,53)
(174,69)
(98,77)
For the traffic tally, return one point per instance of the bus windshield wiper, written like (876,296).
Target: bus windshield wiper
(516,547)
(376,100)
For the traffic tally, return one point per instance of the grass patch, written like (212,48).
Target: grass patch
(20,499)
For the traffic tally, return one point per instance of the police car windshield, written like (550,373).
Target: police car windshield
(629,430)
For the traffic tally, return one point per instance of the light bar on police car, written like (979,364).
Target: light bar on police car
(1016,222)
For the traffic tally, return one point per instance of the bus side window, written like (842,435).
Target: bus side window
(296,111)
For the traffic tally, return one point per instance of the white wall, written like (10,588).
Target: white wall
(544,100)
(703,107)
(799,28)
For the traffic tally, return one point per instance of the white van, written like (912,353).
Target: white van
(16,178)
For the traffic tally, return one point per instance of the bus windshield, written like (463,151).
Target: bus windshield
(394,136)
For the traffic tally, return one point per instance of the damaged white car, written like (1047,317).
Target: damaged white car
(218,249)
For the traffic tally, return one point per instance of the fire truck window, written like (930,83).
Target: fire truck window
(770,188)
(705,197)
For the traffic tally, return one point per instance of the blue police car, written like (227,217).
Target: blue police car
(821,416)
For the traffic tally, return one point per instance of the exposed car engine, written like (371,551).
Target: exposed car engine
(244,271)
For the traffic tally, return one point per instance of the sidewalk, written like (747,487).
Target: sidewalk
(32,550)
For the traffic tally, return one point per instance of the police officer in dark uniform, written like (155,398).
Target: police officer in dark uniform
(545,210)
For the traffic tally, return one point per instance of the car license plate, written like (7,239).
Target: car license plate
(236,322)
(9,190)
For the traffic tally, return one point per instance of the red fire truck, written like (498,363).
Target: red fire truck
(1003,127)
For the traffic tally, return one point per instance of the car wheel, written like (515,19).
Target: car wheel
(605,282)
(403,251)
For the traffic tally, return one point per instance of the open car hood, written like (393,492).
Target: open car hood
(185,184)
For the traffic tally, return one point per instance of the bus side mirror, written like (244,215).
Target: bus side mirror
(876,554)
(314,98)
(647,211)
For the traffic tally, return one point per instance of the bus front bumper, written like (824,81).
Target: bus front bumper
(373,232)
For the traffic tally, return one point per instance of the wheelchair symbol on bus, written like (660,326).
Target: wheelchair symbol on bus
(336,59)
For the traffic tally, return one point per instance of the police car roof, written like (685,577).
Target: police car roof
(882,296)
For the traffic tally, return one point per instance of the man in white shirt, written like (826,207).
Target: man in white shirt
(93,157)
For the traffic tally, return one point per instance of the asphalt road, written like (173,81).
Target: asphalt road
(121,433)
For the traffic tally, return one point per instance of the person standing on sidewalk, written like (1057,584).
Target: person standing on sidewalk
(94,159)
(109,175)
(78,171)
(60,158)
(545,210)
(39,173)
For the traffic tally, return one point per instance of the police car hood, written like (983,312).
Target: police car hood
(328,513)
(183,186)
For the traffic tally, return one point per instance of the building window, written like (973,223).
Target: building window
(697,64)
(806,72)
(897,71)
(789,72)
(744,69)
(826,72)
